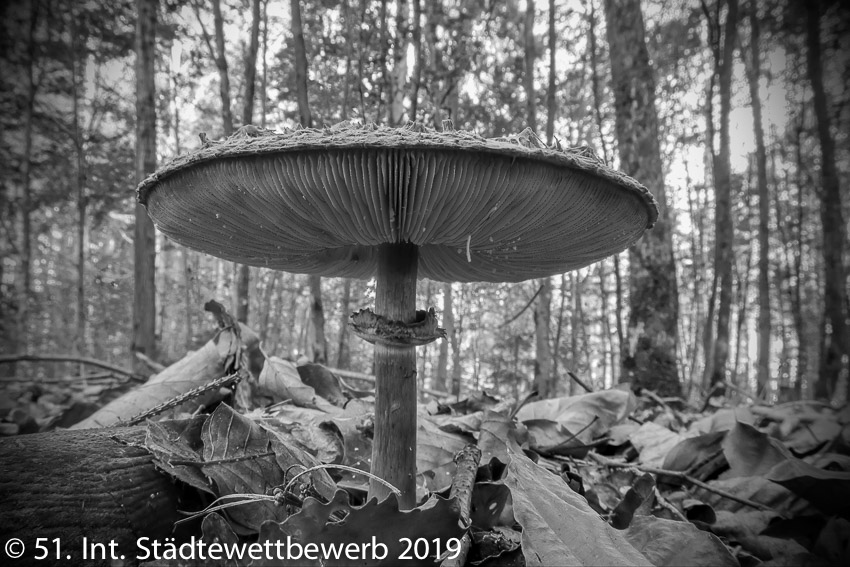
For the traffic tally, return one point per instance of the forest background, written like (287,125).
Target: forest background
(734,114)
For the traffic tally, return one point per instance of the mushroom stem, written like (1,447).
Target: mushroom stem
(394,444)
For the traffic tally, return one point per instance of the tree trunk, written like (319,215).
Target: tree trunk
(300,65)
(723,225)
(144,299)
(528,76)
(79,186)
(441,380)
(454,339)
(243,277)
(416,79)
(835,339)
(398,77)
(653,294)
(543,379)
(266,305)
(763,364)
(23,215)
(551,101)
(317,346)
(221,64)
(96,484)
(318,349)
(597,105)
(264,77)
(343,357)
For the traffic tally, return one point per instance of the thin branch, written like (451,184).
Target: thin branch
(683,476)
(10,359)
(521,311)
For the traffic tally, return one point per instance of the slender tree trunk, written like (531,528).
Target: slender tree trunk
(597,106)
(144,302)
(763,364)
(343,357)
(349,40)
(23,214)
(80,189)
(551,100)
(799,322)
(264,75)
(559,327)
(384,83)
(653,293)
(835,345)
(543,379)
(723,224)
(398,77)
(243,277)
(441,380)
(317,344)
(454,339)
(528,76)
(608,357)
(221,63)
(416,79)
(187,299)
(266,305)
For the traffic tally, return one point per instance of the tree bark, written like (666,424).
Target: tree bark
(343,357)
(243,278)
(835,339)
(144,298)
(317,347)
(96,484)
(653,294)
(723,224)
(528,76)
(23,214)
(441,380)
(79,185)
(551,101)
(454,339)
(416,79)
(763,363)
(543,379)
(398,77)
(221,63)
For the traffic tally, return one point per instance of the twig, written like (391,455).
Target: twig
(579,381)
(521,311)
(666,504)
(177,400)
(467,461)
(522,402)
(221,461)
(151,363)
(8,359)
(683,476)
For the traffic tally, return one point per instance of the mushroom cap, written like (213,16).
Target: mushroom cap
(321,201)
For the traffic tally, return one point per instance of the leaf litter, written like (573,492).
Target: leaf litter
(604,478)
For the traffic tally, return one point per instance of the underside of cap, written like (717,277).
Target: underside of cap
(321,201)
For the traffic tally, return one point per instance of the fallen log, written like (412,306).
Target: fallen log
(65,486)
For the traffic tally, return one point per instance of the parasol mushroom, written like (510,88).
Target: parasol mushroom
(398,203)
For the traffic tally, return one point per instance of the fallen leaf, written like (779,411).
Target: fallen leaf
(669,542)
